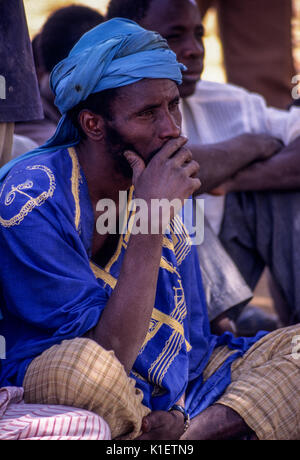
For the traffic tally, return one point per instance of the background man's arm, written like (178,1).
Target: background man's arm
(218,422)
(280,172)
(219,162)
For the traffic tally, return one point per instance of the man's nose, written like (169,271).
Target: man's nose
(194,48)
(170,127)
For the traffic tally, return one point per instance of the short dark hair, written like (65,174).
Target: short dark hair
(62,30)
(99,103)
(135,10)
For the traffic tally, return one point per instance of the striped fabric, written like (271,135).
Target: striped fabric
(21,421)
(265,388)
(80,373)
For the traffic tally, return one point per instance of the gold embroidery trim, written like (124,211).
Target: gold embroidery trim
(173,345)
(102,274)
(168,244)
(170,321)
(75,184)
(33,202)
(166,265)
(160,366)
(122,237)
(181,239)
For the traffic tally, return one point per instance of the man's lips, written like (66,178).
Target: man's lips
(191,75)
(193,72)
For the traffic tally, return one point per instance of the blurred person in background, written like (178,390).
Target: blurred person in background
(19,94)
(256,38)
(60,32)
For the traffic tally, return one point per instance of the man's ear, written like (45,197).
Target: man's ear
(92,124)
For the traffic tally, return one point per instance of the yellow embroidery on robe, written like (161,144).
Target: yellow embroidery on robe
(102,274)
(160,366)
(31,202)
(123,238)
(161,318)
(181,239)
(168,244)
(75,177)
(180,246)
(154,327)
(174,343)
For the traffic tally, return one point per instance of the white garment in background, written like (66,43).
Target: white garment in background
(22,144)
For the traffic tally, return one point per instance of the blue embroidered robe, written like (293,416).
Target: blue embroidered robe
(51,291)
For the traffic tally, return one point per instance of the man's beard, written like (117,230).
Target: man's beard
(116,146)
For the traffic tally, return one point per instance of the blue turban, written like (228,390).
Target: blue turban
(116,53)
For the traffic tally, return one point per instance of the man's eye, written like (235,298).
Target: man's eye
(146,114)
(199,36)
(174,104)
(173,37)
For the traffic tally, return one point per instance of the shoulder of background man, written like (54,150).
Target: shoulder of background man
(209,90)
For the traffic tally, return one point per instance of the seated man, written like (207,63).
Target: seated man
(214,113)
(115,322)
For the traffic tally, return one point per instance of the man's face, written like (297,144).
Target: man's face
(145,115)
(179,22)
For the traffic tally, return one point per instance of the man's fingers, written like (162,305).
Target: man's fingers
(137,164)
(170,148)
(146,424)
(184,155)
(196,185)
(192,168)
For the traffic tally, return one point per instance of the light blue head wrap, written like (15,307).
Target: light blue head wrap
(116,53)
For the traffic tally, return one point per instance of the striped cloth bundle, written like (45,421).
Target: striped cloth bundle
(20,421)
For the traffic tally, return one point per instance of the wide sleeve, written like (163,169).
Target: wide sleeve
(45,273)
(282,124)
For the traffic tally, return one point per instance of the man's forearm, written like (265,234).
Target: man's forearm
(281,172)
(217,422)
(125,320)
(220,161)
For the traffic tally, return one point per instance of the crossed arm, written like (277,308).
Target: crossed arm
(249,162)
(280,172)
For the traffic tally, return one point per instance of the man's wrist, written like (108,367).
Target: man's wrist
(178,409)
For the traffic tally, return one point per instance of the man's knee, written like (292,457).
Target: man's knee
(69,373)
